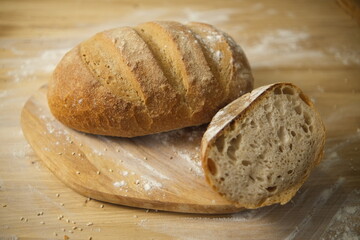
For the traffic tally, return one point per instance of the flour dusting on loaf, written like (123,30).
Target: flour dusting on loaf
(155,77)
(261,148)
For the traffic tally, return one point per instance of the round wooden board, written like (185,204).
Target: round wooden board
(160,171)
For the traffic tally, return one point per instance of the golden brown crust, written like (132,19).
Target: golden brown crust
(235,112)
(226,58)
(83,101)
(152,78)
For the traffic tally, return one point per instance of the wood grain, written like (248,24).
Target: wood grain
(161,171)
(313,44)
(352,7)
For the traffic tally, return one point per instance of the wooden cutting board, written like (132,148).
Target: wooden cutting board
(160,171)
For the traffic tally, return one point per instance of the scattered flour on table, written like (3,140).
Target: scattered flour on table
(346,55)
(141,163)
(327,193)
(193,161)
(120,183)
(149,183)
(153,171)
(22,150)
(345,224)
(286,46)
(97,152)
(215,16)
(285,39)
(323,198)
(45,62)
(189,154)
(331,156)
(50,127)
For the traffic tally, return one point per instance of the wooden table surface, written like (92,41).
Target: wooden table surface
(313,44)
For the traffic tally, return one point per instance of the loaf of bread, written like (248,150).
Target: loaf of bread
(154,77)
(261,148)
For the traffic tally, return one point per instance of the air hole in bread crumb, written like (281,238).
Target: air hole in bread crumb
(271,189)
(311,128)
(298,109)
(235,141)
(290,171)
(251,178)
(293,133)
(231,152)
(307,118)
(281,134)
(279,176)
(252,124)
(261,156)
(245,163)
(252,145)
(220,141)
(305,128)
(304,98)
(281,149)
(287,90)
(290,146)
(277,91)
(211,166)
(222,179)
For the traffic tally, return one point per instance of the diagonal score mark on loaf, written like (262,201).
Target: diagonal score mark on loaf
(225,59)
(165,68)
(241,76)
(122,61)
(211,48)
(184,64)
(104,62)
(157,94)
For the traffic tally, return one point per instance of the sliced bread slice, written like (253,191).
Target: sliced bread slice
(260,149)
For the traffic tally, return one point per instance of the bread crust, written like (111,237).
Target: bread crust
(118,84)
(236,112)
